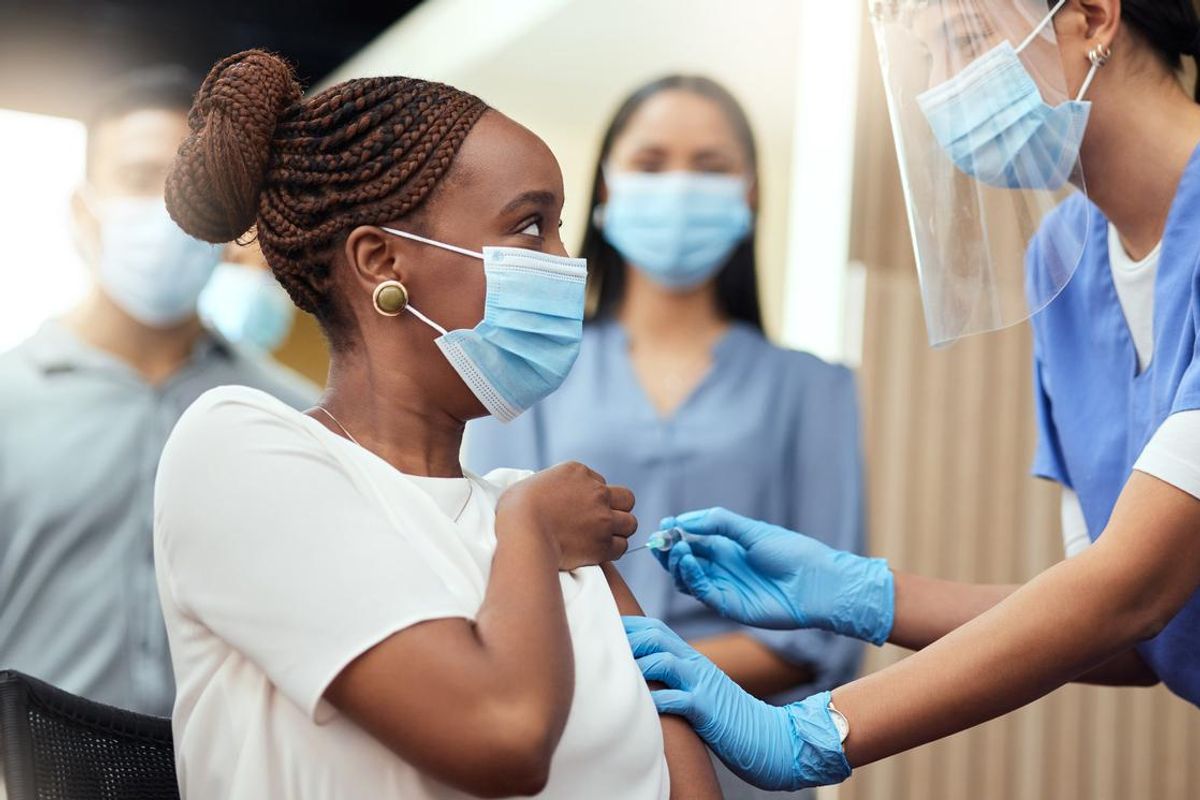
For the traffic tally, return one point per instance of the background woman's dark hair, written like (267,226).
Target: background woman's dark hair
(737,282)
(1170,27)
(305,172)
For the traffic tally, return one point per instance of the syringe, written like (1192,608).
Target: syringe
(661,541)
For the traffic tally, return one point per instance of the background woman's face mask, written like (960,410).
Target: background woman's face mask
(146,264)
(680,228)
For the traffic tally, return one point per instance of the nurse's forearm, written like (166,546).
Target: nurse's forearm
(755,667)
(998,662)
(1069,620)
(927,609)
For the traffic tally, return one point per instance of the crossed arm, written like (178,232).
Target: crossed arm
(492,694)
(511,675)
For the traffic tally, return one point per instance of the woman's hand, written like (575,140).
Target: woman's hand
(588,521)
(775,748)
(770,577)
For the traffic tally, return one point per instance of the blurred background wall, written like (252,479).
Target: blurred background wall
(949,433)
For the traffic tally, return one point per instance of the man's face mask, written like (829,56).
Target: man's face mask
(145,263)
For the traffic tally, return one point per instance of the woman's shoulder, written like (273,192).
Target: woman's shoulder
(229,420)
(236,406)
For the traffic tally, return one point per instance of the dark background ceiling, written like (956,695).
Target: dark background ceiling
(53,53)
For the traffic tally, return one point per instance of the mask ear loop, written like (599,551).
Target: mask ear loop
(1099,56)
(1041,26)
(427,320)
(464,251)
(406,235)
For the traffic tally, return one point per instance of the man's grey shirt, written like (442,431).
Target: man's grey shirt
(80,437)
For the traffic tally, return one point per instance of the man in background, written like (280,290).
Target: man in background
(87,403)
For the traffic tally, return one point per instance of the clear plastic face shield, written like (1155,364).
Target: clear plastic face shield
(988,136)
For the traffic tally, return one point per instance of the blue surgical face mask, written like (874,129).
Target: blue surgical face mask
(531,330)
(992,122)
(247,305)
(678,227)
(147,265)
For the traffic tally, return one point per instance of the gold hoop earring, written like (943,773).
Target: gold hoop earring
(1100,55)
(390,298)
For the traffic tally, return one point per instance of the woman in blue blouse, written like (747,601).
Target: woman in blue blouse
(678,394)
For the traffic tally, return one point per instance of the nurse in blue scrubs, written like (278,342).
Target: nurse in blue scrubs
(677,392)
(1062,125)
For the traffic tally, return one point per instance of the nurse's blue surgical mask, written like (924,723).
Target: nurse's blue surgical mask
(531,330)
(247,305)
(680,228)
(992,122)
(146,264)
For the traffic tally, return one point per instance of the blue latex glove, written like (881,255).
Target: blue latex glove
(770,577)
(772,747)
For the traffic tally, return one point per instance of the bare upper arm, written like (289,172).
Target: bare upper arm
(1152,548)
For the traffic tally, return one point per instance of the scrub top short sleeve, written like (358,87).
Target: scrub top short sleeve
(1187,396)
(1048,461)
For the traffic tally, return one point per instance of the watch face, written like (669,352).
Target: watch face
(839,722)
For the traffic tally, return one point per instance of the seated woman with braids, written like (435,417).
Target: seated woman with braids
(350,614)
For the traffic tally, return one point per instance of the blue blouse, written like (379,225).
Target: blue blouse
(769,433)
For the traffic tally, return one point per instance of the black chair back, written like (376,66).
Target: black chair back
(56,746)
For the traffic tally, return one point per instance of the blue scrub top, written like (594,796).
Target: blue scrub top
(1096,413)
(769,433)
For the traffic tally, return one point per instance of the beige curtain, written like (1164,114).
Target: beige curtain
(949,437)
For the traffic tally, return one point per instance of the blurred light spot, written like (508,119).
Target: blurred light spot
(41,274)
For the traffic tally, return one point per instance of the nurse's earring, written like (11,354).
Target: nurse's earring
(1099,56)
(390,298)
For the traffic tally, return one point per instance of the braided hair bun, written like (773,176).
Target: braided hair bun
(214,186)
(305,171)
